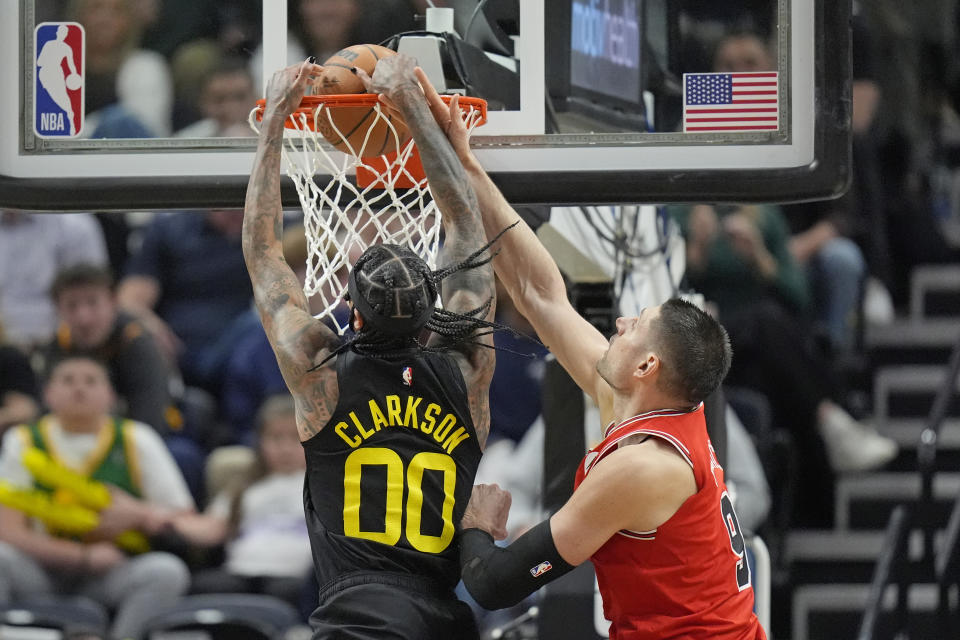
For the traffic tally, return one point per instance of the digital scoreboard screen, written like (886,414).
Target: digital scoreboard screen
(605,45)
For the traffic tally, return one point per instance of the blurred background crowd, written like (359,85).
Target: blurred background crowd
(130,350)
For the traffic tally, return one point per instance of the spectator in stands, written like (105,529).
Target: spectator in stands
(33,248)
(322,27)
(236,37)
(745,477)
(18,386)
(515,388)
(261,520)
(861,212)
(128,90)
(738,257)
(147,495)
(703,23)
(226,98)
(834,265)
(173,23)
(252,374)
(187,284)
(91,324)
(903,58)
(117,234)
(742,51)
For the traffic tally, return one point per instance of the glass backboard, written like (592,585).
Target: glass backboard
(592,101)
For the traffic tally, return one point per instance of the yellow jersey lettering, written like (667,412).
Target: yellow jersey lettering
(352,495)
(429,418)
(393,410)
(410,417)
(448,422)
(455,439)
(341,427)
(378,418)
(363,432)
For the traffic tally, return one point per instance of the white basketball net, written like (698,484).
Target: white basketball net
(341,220)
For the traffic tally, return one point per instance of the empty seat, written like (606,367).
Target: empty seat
(227,616)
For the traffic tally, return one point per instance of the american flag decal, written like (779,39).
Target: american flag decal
(731,101)
(541,569)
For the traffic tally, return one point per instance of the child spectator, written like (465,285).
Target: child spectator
(147,495)
(262,521)
(91,324)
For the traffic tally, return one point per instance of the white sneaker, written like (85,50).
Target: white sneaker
(877,303)
(852,446)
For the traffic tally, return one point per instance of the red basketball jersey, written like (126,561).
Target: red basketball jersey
(688,578)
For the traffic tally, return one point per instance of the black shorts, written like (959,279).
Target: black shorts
(390,606)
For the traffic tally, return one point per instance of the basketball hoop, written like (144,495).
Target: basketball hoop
(388,201)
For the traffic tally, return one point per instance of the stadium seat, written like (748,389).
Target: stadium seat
(227,616)
(66,615)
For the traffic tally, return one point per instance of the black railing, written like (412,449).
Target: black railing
(890,567)
(927,453)
(894,566)
(947,571)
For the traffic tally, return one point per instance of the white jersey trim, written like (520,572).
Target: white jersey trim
(660,413)
(682,450)
(638,535)
(598,455)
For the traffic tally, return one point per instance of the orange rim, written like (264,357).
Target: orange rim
(309,105)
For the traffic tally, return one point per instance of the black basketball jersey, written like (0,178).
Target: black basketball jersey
(389,477)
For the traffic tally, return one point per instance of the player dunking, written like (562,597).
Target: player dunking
(650,507)
(50,72)
(393,430)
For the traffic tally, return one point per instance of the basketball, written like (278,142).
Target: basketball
(74,81)
(355,123)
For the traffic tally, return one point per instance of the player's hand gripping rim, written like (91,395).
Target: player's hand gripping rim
(286,88)
(448,116)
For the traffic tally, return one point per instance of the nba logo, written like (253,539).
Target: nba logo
(407,376)
(58,79)
(541,569)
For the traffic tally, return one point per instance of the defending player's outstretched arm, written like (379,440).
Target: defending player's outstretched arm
(466,290)
(298,340)
(527,270)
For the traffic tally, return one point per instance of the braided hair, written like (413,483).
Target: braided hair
(395,292)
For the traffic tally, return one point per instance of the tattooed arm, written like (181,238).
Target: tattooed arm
(395,78)
(298,340)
